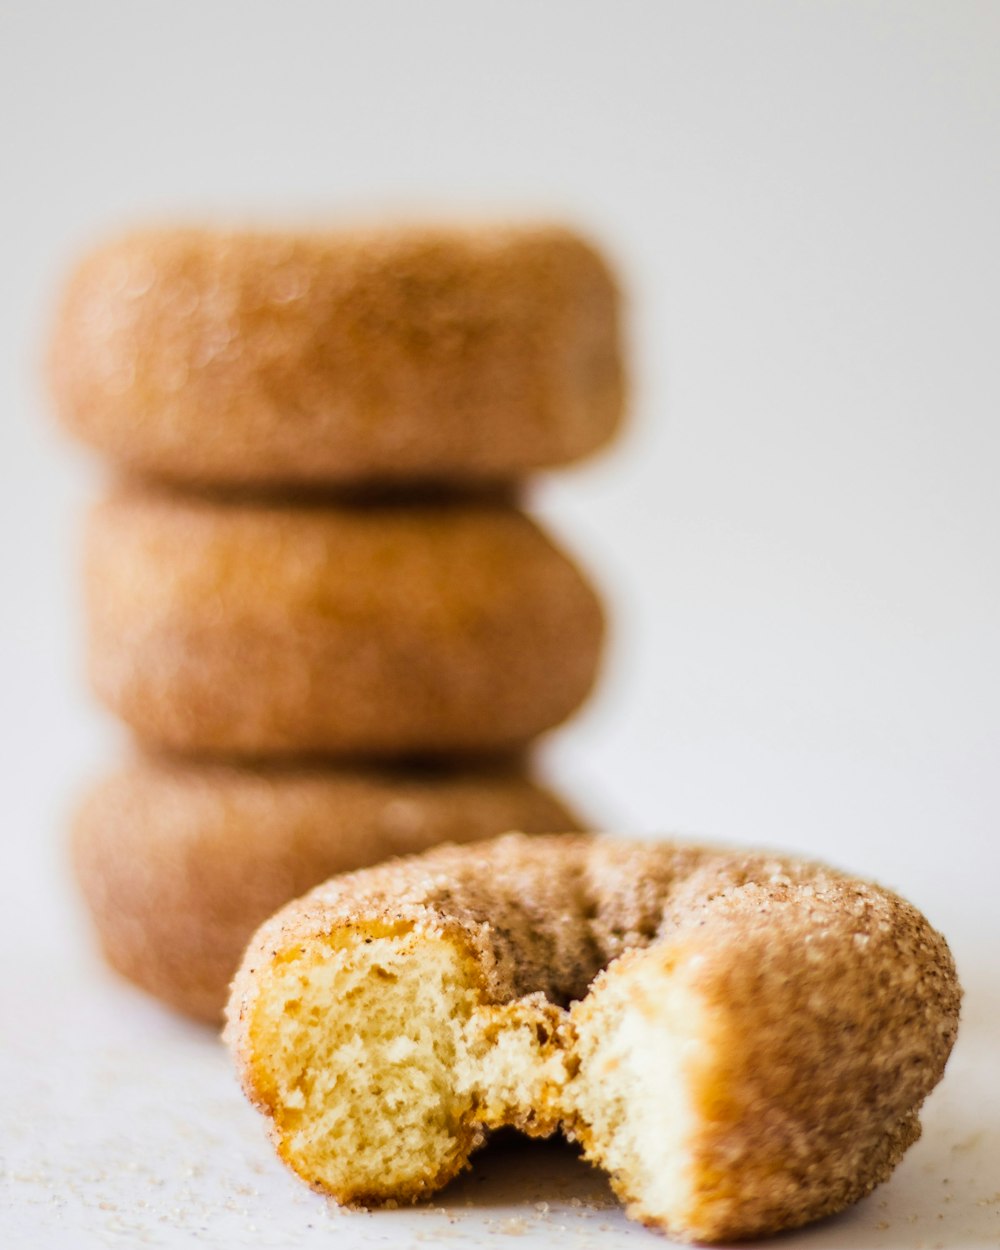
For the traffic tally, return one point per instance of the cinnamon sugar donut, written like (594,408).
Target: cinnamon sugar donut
(282,629)
(742,1040)
(379,353)
(179,863)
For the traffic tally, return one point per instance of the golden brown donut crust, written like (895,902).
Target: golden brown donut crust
(179,863)
(827,1006)
(380,353)
(286,630)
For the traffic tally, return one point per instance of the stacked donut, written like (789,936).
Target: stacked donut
(311,595)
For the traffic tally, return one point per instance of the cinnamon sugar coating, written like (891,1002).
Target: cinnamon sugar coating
(369,630)
(374,354)
(801,1016)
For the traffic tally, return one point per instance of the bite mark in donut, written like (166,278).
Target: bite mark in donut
(752,1051)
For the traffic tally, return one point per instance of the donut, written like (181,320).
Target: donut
(371,354)
(289,629)
(742,1040)
(179,863)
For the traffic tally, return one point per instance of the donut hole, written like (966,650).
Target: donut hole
(362,1045)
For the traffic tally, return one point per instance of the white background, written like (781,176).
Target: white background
(798,532)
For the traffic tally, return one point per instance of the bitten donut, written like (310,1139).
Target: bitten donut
(253,629)
(742,1041)
(380,353)
(179,863)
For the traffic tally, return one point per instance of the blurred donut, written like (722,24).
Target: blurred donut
(384,631)
(179,863)
(383,353)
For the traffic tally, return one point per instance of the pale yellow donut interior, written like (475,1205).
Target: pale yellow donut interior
(362,1042)
(646,1048)
(382,1066)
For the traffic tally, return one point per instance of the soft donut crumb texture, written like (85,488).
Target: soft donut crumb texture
(364,1099)
(742,1041)
(387,1100)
